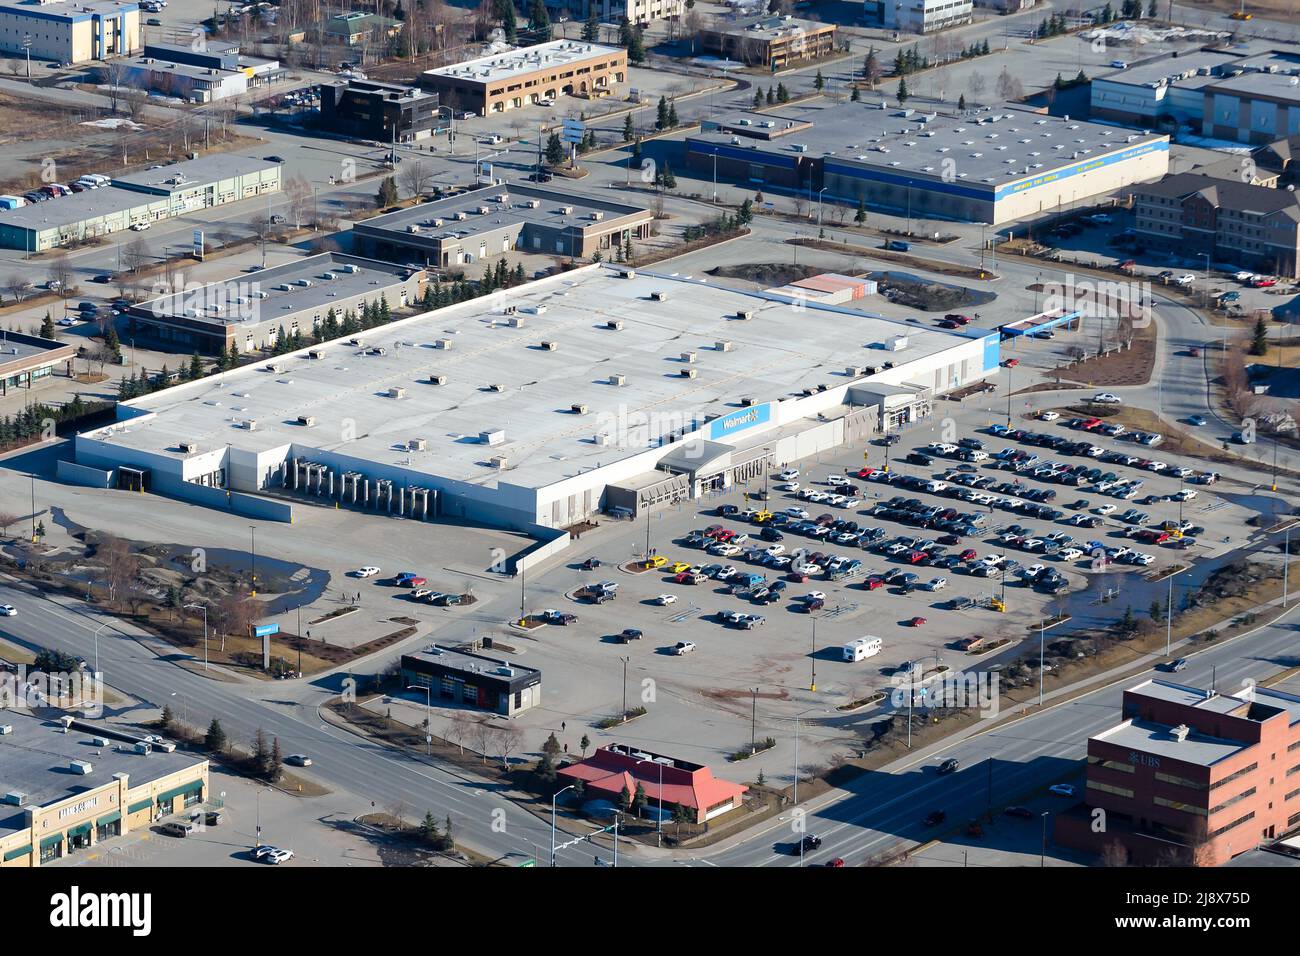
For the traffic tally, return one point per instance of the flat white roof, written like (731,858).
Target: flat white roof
(500,66)
(777,353)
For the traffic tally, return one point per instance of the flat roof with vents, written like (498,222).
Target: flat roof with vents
(543,56)
(775,355)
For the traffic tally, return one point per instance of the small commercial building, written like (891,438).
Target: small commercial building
(138,199)
(386,112)
(358,29)
(473,680)
(921,16)
(495,220)
(251,311)
(194,84)
(1191,776)
(675,784)
(70,785)
(1254,227)
(773,42)
(26,359)
(1239,94)
(522,77)
(70,31)
(993,165)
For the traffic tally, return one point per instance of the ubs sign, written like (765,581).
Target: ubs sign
(739,421)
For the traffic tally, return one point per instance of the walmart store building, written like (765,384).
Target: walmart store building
(70,785)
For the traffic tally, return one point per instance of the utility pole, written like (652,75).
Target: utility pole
(626,661)
(753,722)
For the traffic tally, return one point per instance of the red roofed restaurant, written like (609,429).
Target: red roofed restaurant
(687,785)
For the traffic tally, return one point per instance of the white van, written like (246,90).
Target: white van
(862,648)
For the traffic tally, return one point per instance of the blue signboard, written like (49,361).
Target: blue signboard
(264,630)
(992,352)
(740,420)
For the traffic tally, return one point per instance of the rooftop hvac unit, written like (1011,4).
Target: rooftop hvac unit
(276,367)
(688,357)
(413,228)
(596,216)
(330,275)
(722,345)
(515,322)
(460,216)
(435,223)
(499,462)
(578,409)
(492,437)
(746,402)
(442,344)
(316,354)
(6,730)
(14,798)
(283,287)
(397,392)
(260,295)
(659,296)
(549,346)
(533,204)
(566,210)
(496,387)
(854,371)
(82,767)
(358,342)
(306,421)
(99,741)
(437,379)
(629,274)
(189,447)
(484,210)
(501,197)
(350,267)
(141,747)
(619,380)
(745,314)
(305,283)
(416,444)
(800,147)
(897,343)
(615,324)
(690,373)
(601,439)
(249,424)
(535,309)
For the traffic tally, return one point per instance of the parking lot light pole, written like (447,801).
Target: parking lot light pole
(659,822)
(1042,857)
(252,557)
(204,609)
(555,796)
(1042,642)
(428,715)
(97,630)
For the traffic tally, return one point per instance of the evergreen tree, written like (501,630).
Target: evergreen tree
(669,180)
(639,798)
(168,718)
(758,97)
(902,91)
(782,94)
(387,195)
(546,769)
(628,130)
(746,214)
(261,753)
(819,82)
(429,828)
(860,217)
(771,96)
(672,115)
(629,36)
(215,739)
(47,326)
(276,761)
(540,21)
(196,366)
(1259,339)
(661,113)
(554,150)
(855,96)
(961,102)
(591,29)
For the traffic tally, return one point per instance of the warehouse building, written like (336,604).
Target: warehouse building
(494,220)
(1191,776)
(26,359)
(138,200)
(71,785)
(70,31)
(774,42)
(385,112)
(457,677)
(992,165)
(252,311)
(1244,97)
(505,81)
(544,405)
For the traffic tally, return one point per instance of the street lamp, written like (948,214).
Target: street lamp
(428,715)
(252,557)
(204,609)
(97,630)
(819,205)
(554,797)
(659,822)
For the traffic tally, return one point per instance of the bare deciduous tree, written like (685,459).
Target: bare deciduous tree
(416,177)
(482,733)
(508,739)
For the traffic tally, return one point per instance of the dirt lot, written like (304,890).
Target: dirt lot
(767,273)
(21,121)
(898,258)
(1131,366)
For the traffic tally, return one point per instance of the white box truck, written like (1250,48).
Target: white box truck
(862,648)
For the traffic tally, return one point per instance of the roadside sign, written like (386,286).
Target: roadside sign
(526,863)
(265,630)
(197,249)
(573,132)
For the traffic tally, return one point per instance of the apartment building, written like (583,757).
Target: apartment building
(1190,776)
(505,81)
(1234,222)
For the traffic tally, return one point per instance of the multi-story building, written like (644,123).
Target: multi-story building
(771,41)
(1190,776)
(613,11)
(492,221)
(385,112)
(70,31)
(504,81)
(920,16)
(1254,227)
(1224,94)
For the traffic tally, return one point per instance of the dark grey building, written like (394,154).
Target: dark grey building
(385,112)
(485,683)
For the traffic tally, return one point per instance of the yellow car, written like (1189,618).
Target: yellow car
(762,517)
(1242,15)
(679,566)
(658,561)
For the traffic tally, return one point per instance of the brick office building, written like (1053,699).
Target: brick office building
(1190,775)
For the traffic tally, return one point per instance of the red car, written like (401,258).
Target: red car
(1011,363)
(872,583)
(726,534)
(685,577)
(968,555)
(415,582)
(713,530)
(1088,424)
(916,622)
(866,472)
(1263,282)
(837,862)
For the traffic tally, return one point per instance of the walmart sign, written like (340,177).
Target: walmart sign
(739,421)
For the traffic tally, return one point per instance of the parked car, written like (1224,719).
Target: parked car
(683,647)
(1063,789)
